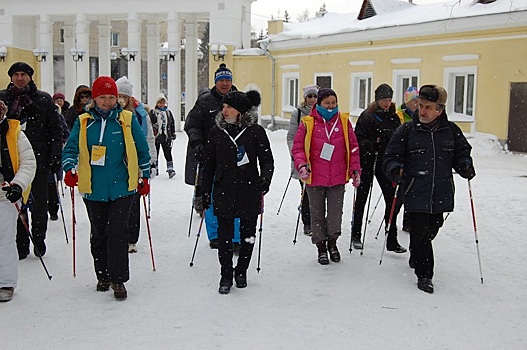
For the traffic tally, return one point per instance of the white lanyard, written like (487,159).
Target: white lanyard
(237,136)
(103,126)
(332,129)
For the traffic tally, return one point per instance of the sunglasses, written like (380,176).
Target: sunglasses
(311,96)
(84,96)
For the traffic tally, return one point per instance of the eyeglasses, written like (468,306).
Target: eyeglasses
(311,96)
(84,96)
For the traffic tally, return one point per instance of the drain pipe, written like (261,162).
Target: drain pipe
(263,46)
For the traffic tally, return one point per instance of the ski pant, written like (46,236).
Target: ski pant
(306,214)
(325,205)
(109,238)
(8,253)
(39,213)
(53,199)
(134,222)
(211,223)
(225,235)
(388,192)
(167,150)
(424,229)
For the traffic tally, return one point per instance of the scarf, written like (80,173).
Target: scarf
(327,114)
(21,100)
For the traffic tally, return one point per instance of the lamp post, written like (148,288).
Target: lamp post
(77,54)
(40,54)
(129,54)
(218,52)
(168,54)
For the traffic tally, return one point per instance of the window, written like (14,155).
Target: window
(114,39)
(61,35)
(290,97)
(360,92)
(402,80)
(324,80)
(461,88)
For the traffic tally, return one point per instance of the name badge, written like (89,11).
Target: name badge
(241,155)
(327,151)
(98,155)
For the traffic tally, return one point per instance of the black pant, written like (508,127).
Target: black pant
(53,199)
(167,150)
(39,213)
(424,229)
(388,192)
(306,214)
(109,238)
(135,219)
(247,239)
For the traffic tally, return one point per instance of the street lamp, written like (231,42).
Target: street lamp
(40,54)
(200,55)
(129,54)
(77,54)
(3,53)
(218,52)
(168,54)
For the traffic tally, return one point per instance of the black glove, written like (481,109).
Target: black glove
(263,184)
(54,164)
(467,171)
(396,175)
(205,200)
(13,192)
(199,152)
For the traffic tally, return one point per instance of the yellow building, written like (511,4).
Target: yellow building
(476,49)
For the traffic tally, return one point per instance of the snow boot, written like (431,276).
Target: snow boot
(334,254)
(396,248)
(357,244)
(307,230)
(425,284)
(119,291)
(6,294)
(225,283)
(132,248)
(39,249)
(103,286)
(240,276)
(322,253)
(170,170)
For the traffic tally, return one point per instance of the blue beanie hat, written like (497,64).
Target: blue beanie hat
(222,73)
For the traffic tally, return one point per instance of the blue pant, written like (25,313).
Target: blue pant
(211,223)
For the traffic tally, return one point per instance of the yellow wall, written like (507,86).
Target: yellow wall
(18,55)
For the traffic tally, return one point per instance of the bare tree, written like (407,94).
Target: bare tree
(303,16)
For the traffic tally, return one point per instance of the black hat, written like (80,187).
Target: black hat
(323,93)
(433,93)
(222,73)
(21,67)
(383,91)
(242,102)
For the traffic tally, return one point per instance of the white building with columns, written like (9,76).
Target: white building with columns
(34,31)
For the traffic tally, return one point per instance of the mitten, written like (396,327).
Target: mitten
(199,152)
(264,184)
(397,175)
(13,192)
(144,187)
(71,179)
(468,172)
(355,178)
(304,172)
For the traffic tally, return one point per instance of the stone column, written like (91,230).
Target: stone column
(104,29)
(134,43)
(46,43)
(191,63)
(70,74)
(152,59)
(82,38)
(173,68)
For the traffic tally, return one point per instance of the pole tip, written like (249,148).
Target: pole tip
(191,264)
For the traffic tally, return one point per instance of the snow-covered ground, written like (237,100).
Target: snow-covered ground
(293,303)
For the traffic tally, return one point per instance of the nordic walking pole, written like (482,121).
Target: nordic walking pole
(475,228)
(299,211)
(194,199)
(379,229)
(26,226)
(197,239)
(375,208)
(149,234)
(286,187)
(260,231)
(369,202)
(353,217)
(61,209)
(392,210)
(73,223)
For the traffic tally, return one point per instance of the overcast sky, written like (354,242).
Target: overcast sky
(263,10)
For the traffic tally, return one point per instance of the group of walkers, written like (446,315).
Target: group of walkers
(107,144)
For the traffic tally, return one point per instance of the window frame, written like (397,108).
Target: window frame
(117,36)
(355,79)
(323,74)
(287,104)
(399,75)
(451,74)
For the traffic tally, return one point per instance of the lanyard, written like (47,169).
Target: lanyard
(332,129)
(237,136)
(103,126)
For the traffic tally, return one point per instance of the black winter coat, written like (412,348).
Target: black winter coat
(237,192)
(43,126)
(374,129)
(427,158)
(198,123)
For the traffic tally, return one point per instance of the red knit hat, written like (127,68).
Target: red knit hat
(104,85)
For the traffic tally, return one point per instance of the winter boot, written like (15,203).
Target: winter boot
(240,276)
(6,294)
(396,248)
(103,286)
(322,253)
(225,283)
(170,170)
(132,248)
(425,284)
(307,230)
(392,245)
(119,291)
(357,244)
(334,254)
(39,249)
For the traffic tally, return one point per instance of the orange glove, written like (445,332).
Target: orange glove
(144,187)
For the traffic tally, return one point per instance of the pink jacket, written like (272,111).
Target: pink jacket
(323,172)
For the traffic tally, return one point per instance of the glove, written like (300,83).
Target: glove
(54,165)
(153,170)
(263,184)
(467,171)
(144,187)
(71,179)
(397,175)
(173,137)
(304,172)
(199,152)
(355,178)
(205,200)
(13,192)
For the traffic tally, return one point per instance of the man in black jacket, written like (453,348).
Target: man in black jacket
(41,123)
(420,157)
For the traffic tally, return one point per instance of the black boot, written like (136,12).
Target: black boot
(425,284)
(334,254)
(322,253)
(240,276)
(225,280)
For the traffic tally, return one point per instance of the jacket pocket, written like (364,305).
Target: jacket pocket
(409,187)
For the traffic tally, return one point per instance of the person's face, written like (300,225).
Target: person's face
(385,103)
(59,101)
(223,86)
(20,79)
(428,111)
(84,98)
(105,102)
(412,105)
(229,112)
(123,100)
(329,102)
(161,103)
(311,99)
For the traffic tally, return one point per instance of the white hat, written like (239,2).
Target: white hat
(124,87)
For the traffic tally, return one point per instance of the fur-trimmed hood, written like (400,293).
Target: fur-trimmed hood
(246,119)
